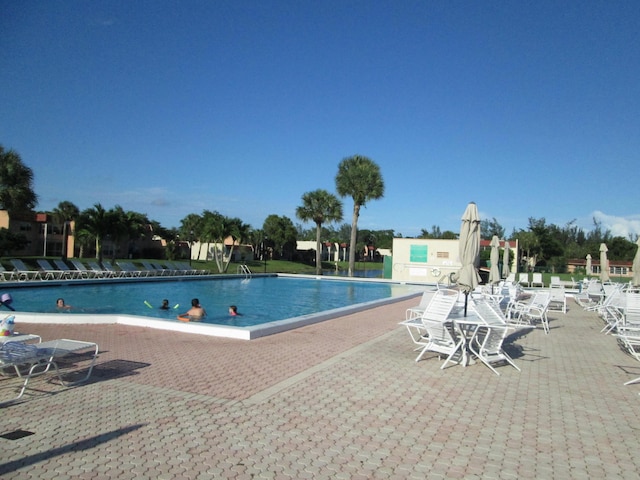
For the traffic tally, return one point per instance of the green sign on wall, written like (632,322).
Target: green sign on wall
(418,254)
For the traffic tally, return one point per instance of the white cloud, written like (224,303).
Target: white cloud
(619,226)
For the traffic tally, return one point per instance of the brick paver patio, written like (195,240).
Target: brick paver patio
(339,399)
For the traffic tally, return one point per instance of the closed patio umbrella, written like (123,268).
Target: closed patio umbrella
(506,271)
(589,269)
(494,272)
(469,248)
(636,265)
(604,263)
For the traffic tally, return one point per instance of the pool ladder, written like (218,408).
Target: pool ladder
(244,270)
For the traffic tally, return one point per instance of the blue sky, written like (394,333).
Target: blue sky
(530,109)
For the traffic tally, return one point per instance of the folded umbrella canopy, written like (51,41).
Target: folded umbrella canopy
(494,272)
(604,263)
(589,269)
(636,265)
(469,248)
(506,271)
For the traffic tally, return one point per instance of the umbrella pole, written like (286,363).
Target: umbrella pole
(466,298)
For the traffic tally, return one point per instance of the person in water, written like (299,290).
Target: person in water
(61,305)
(165,304)
(195,314)
(233,311)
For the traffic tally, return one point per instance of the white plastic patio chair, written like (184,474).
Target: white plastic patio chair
(413,322)
(592,296)
(523,279)
(536,280)
(418,310)
(612,310)
(532,310)
(558,297)
(439,332)
(488,339)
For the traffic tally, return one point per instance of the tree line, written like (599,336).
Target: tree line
(357,177)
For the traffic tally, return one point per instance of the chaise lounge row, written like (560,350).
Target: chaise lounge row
(60,270)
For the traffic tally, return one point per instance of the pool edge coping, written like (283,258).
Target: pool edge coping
(224,331)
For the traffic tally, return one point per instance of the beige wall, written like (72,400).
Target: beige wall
(424,260)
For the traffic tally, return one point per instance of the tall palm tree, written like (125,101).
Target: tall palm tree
(97,224)
(319,206)
(191,229)
(64,213)
(360,178)
(136,226)
(16,179)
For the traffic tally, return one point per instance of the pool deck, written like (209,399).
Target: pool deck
(338,399)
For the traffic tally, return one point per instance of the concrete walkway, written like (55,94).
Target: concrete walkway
(339,399)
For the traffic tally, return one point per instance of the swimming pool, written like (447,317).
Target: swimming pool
(260,300)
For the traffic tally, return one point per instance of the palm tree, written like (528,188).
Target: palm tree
(64,213)
(191,228)
(360,178)
(136,226)
(216,228)
(95,221)
(16,179)
(319,206)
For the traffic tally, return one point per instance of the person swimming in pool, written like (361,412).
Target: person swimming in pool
(61,305)
(165,304)
(233,311)
(195,314)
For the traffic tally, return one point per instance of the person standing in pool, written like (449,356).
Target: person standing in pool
(61,305)
(195,314)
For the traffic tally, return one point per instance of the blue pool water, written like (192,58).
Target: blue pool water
(259,300)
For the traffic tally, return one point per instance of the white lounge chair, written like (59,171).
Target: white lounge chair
(28,361)
(532,310)
(47,271)
(612,311)
(98,271)
(439,332)
(591,296)
(154,270)
(536,280)
(189,270)
(632,309)
(131,270)
(486,342)
(162,270)
(523,279)
(7,275)
(413,320)
(113,273)
(418,310)
(558,297)
(83,272)
(23,273)
(68,272)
